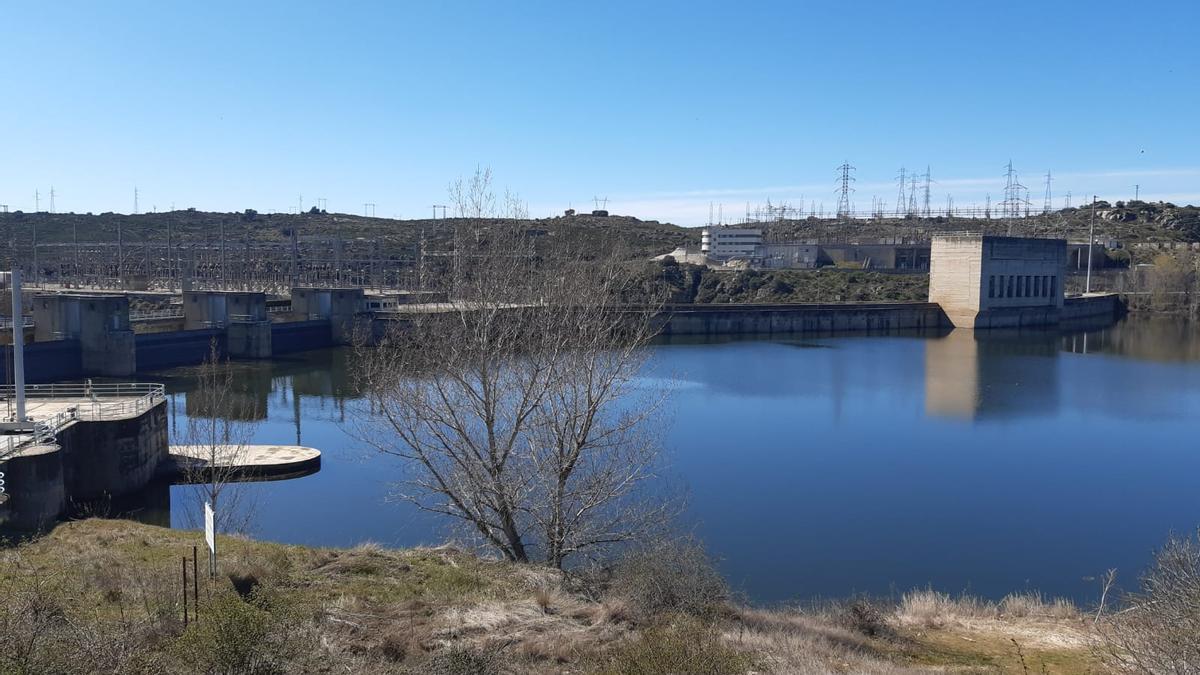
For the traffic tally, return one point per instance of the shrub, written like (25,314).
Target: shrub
(673,577)
(1159,631)
(864,616)
(685,648)
(463,661)
(258,635)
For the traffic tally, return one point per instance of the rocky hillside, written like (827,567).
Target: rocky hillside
(1133,221)
(692,283)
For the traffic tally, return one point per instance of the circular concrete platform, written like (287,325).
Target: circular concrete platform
(249,462)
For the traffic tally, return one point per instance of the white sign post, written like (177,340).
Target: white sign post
(210,538)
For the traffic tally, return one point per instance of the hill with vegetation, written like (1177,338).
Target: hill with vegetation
(1133,221)
(637,238)
(683,283)
(1125,221)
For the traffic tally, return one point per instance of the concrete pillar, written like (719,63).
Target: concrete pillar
(99,322)
(344,306)
(243,315)
(248,340)
(339,306)
(114,457)
(34,483)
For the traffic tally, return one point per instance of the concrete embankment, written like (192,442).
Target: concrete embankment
(1092,306)
(752,319)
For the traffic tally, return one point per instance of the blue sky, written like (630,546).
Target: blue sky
(663,107)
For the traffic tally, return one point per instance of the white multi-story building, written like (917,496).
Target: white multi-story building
(729,242)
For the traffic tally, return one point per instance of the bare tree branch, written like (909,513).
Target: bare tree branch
(517,409)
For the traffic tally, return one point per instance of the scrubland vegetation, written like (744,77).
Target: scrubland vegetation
(105,596)
(682,283)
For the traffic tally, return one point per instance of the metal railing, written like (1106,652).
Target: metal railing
(152,314)
(93,402)
(43,433)
(6,322)
(244,318)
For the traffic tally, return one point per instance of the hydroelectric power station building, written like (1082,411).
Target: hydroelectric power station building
(998,282)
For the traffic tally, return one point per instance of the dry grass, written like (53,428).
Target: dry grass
(932,609)
(375,610)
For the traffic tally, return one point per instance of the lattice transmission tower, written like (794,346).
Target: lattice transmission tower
(844,209)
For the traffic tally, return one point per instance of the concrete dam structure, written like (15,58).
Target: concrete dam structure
(976,282)
(983,282)
(79,335)
(85,443)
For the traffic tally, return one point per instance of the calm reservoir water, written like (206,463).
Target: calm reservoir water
(826,466)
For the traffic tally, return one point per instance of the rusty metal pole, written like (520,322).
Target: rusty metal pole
(185,585)
(195,586)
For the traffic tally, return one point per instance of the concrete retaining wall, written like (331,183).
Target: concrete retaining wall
(298,336)
(1086,307)
(47,361)
(183,348)
(113,458)
(781,319)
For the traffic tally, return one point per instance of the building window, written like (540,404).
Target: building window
(992,286)
(1053,283)
(1008,292)
(1037,287)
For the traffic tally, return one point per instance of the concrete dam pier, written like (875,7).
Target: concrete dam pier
(85,443)
(92,443)
(79,335)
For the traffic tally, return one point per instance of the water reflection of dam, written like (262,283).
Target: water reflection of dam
(981,374)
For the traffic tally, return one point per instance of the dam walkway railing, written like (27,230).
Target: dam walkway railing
(92,402)
(69,403)
(43,433)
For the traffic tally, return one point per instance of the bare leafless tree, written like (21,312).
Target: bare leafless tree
(1159,629)
(214,438)
(517,407)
